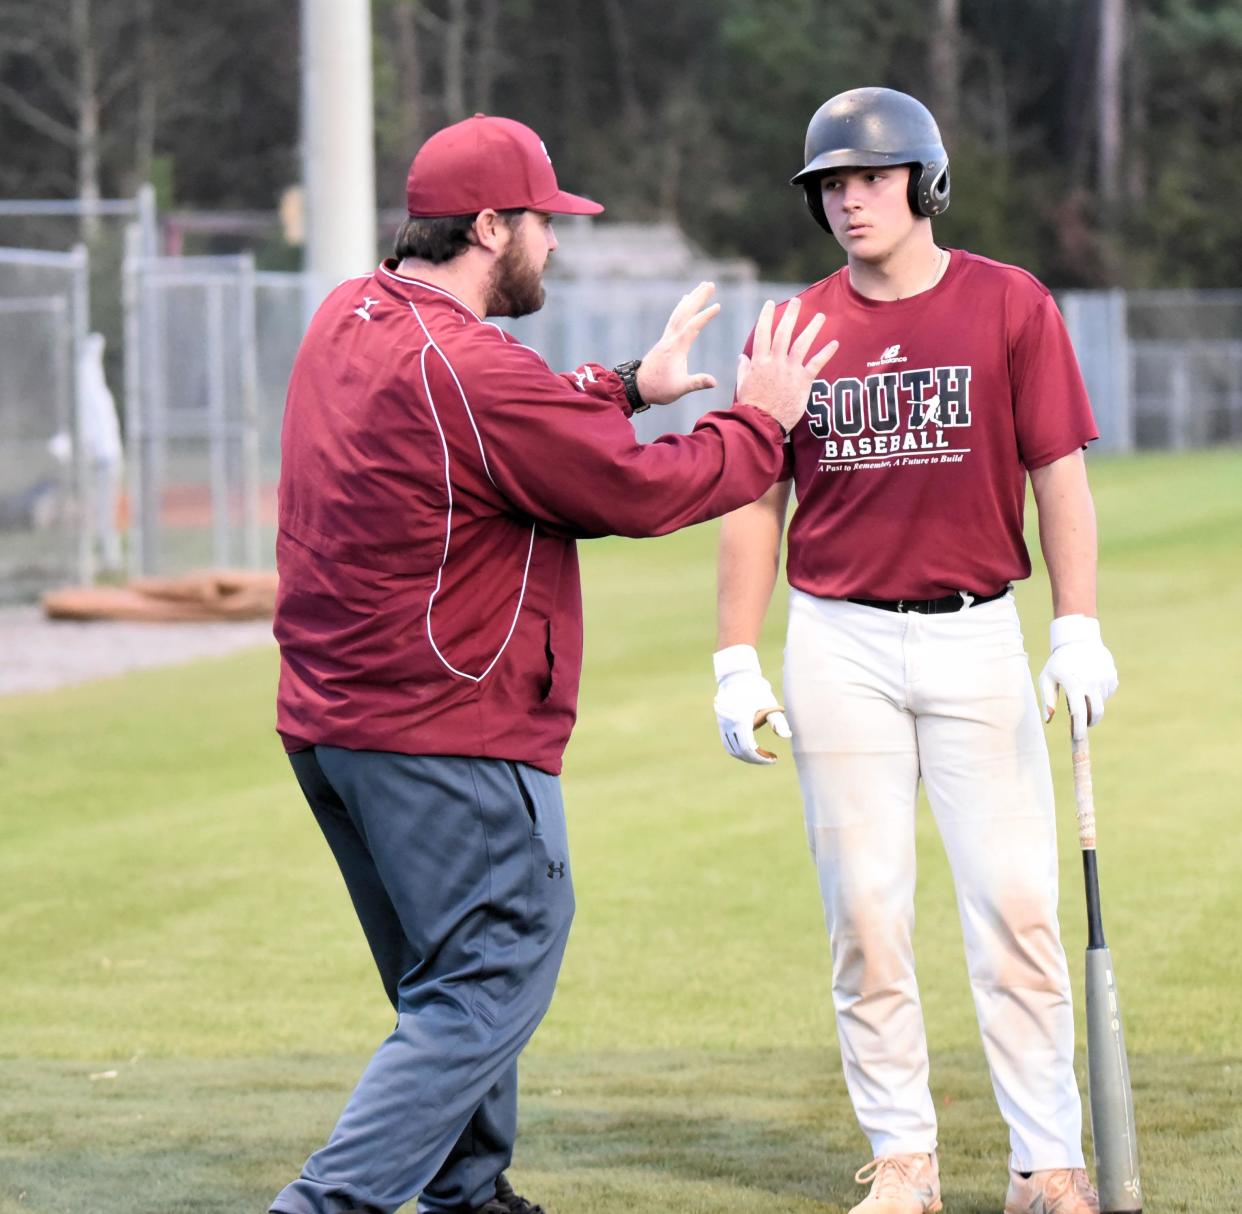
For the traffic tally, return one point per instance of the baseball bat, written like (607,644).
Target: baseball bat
(1108,1069)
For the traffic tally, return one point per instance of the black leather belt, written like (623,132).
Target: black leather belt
(950,602)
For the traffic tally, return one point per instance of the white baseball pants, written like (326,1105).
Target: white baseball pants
(876,700)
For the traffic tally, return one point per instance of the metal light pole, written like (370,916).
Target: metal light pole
(338,140)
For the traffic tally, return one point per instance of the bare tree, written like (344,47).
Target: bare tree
(146,105)
(487,54)
(455,27)
(944,62)
(64,49)
(569,77)
(451,34)
(1109,102)
(627,74)
(87,107)
(1078,99)
(1138,117)
(35,37)
(994,119)
(408,76)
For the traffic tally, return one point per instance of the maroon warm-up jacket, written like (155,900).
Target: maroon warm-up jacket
(435,475)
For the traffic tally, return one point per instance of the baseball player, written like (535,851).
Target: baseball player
(905,661)
(435,476)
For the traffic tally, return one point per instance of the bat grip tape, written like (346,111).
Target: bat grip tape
(1084,798)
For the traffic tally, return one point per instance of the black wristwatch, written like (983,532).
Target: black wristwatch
(629,377)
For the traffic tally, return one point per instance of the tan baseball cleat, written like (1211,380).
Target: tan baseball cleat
(900,1184)
(1054,1191)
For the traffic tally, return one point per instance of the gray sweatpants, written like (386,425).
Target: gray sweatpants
(459,871)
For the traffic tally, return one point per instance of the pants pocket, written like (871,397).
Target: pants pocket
(528,799)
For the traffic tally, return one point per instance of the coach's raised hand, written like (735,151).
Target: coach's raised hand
(665,375)
(778,375)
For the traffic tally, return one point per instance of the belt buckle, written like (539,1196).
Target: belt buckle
(901,606)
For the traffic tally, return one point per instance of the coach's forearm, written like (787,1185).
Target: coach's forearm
(747,566)
(1067,534)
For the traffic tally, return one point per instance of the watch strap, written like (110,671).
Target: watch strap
(628,371)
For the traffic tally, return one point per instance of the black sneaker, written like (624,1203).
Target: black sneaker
(507,1201)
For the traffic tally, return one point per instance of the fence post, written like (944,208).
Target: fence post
(148,222)
(1179,400)
(135,428)
(248,339)
(79,319)
(217,423)
(1096,322)
(69,524)
(1121,356)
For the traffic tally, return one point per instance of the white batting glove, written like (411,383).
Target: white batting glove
(744,700)
(1082,667)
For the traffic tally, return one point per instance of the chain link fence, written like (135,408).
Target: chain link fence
(208,344)
(609,322)
(1186,371)
(46,537)
(211,343)
(191,413)
(1164,368)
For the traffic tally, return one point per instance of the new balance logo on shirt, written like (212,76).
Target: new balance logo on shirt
(892,354)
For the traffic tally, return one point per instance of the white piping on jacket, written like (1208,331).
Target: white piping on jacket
(448,526)
(513,341)
(478,438)
(426,286)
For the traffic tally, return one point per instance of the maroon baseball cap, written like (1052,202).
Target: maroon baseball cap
(487,162)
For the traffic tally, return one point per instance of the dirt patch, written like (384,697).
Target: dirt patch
(37,654)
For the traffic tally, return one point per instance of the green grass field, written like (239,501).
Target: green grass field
(186,1000)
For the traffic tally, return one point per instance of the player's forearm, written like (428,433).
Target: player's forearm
(1067,533)
(747,566)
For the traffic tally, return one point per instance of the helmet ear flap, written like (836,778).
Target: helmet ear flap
(938,192)
(914,188)
(929,188)
(815,202)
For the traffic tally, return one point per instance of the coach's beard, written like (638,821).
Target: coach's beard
(516,287)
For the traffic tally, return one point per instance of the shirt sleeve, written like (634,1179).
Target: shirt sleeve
(571,459)
(600,382)
(1052,412)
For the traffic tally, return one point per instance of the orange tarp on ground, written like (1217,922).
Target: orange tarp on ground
(213,594)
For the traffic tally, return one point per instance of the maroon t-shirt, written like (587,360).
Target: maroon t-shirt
(910,464)
(435,475)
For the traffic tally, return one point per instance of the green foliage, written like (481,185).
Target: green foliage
(694,112)
(1194,60)
(185,997)
(987,196)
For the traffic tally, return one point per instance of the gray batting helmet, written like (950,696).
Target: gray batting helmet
(875,126)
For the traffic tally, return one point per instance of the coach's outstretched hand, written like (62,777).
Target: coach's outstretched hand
(665,372)
(778,375)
